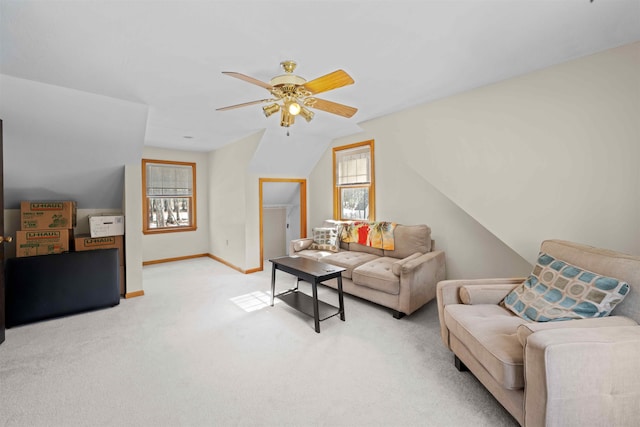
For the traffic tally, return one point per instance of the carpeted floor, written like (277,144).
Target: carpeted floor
(204,348)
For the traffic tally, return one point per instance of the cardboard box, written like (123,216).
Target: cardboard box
(41,242)
(84,242)
(47,215)
(106,225)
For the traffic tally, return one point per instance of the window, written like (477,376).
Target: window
(353,188)
(169,196)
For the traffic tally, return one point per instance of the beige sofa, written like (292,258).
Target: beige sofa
(582,372)
(403,279)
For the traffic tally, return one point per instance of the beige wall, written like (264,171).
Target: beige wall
(232,216)
(174,245)
(496,170)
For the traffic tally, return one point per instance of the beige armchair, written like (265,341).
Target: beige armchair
(582,372)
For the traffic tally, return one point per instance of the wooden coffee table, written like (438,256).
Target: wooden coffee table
(313,272)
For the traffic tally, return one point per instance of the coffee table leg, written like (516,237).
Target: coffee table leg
(340,298)
(273,283)
(316,311)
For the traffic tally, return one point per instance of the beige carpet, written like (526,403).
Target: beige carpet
(203,348)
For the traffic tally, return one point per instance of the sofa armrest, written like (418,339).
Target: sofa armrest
(396,267)
(298,245)
(485,294)
(448,292)
(582,377)
(418,278)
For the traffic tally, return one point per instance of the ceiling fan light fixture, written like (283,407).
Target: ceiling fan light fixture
(286,119)
(306,114)
(293,108)
(270,109)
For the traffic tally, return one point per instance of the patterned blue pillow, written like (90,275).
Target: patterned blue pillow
(557,290)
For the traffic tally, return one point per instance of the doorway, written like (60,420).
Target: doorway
(2,308)
(283,214)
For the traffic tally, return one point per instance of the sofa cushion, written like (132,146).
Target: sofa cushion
(324,239)
(378,274)
(357,247)
(314,254)
(349,260)
(409,239)
(557,290)
(489,333)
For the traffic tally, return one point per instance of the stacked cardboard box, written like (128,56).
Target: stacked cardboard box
(46,227)
(106,225)
(84,242)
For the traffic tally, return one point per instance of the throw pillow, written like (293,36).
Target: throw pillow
(557,290)
(324,239)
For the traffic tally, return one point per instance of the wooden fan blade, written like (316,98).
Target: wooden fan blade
(231,107)
(248,79)
(328,82)
(333,107)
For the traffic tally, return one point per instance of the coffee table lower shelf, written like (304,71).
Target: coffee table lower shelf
(304,303)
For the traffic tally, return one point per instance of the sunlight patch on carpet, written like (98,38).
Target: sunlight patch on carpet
(253,301)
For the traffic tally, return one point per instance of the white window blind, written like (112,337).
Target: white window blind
(354,166)
(169,180)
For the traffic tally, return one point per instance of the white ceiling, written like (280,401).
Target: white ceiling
(168,55)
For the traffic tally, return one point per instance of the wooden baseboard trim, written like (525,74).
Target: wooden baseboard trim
(228,264)
(180,258)
(215,258)
(134,294)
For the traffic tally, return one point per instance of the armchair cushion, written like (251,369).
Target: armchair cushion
(557,290)
(489,333)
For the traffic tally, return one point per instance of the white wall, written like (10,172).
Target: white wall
(133,226)
(174,245)
(293,220)
(496,170)
(551,154)
(231,200)
(274,231)
(65,144)
(405,197)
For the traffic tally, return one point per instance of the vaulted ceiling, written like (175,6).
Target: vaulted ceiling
(169,55)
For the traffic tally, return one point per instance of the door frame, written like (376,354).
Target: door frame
(303,209)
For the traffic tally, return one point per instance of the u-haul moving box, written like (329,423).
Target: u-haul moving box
(106,225)
(47,215)
(41,242)
(84,242)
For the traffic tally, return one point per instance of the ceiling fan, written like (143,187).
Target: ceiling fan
(292,95)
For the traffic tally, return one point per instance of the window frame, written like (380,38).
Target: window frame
(337,189)
(145,199)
